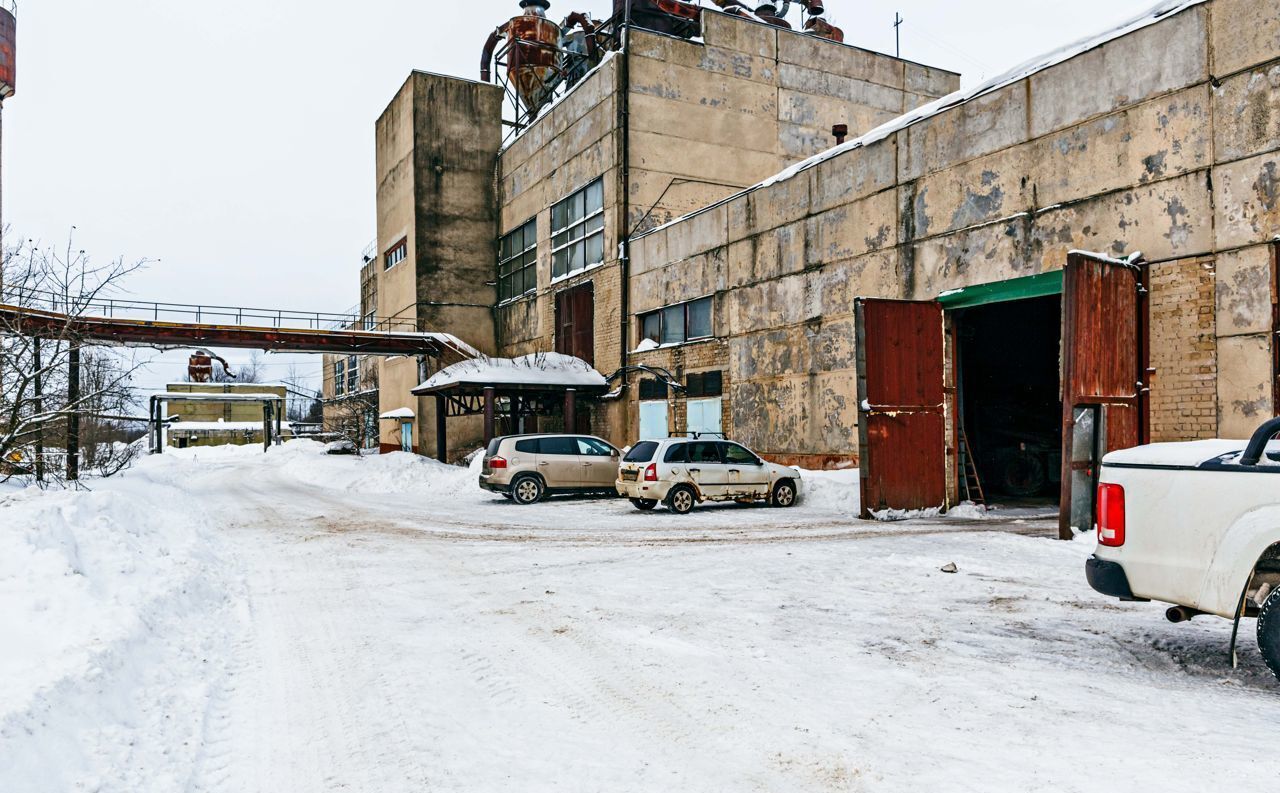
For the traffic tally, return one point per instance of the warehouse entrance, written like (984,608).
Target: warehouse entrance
(1008,401)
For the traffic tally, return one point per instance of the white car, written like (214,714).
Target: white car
(1195,525)
(680,472)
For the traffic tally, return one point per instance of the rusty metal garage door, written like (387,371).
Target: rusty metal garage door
(901,426)
(1104,374)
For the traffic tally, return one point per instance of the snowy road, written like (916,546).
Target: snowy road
(431,638)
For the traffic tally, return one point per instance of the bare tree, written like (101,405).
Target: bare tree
(354,416)
(50,383)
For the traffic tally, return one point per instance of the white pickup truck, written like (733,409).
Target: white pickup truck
(1196,525)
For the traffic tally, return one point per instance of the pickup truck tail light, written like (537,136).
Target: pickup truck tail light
(497,462)
(651,473)
(1110,515)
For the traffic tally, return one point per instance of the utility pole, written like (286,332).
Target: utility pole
(39,407)
(897,34)
(73,413)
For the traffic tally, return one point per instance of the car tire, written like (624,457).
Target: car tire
(1269,631)
(527,489)
(644,504)
(784,494)
(681,499)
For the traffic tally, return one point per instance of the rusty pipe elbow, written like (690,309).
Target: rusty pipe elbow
(583,21)
(486,57)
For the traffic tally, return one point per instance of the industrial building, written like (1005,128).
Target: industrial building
(205,420)
(915,300)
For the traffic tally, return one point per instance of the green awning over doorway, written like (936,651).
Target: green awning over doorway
(1042,285)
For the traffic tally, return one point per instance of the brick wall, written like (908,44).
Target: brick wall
(1184,400)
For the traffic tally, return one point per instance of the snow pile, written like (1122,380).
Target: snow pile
(831,491)
(398,472)
(544,368)
(113,631)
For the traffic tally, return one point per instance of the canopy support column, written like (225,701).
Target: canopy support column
(490,398)
(442,439)
(570,410)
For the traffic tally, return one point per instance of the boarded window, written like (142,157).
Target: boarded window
(704,416)
(653,420)
(704,384)
(652,389)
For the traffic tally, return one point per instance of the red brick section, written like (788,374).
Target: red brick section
(1184,396)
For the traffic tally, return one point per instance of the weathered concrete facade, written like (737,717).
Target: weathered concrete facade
(1163,140)
(437,145)
(706,118)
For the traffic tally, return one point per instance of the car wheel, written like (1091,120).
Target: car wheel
(681,499)
(784,493)
(644,504)
(527,489)
(1269,631)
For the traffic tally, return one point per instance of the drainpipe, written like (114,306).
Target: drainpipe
(624,121)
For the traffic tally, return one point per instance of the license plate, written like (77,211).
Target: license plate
(630,476)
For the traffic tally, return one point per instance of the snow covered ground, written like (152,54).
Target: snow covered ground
(223,620)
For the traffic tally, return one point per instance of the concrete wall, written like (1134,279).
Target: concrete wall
(1132,146)
(706,118)
(437,145)
(221,411)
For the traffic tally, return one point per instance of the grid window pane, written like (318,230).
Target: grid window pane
(651,326)
(517,265)
(595,249)
(577,227)
(700,318)
(673,325)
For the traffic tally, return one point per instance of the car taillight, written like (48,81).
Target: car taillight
(497,462)
(1110,515)
(651,473)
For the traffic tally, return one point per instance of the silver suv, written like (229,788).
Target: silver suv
(528,468)
(680,472)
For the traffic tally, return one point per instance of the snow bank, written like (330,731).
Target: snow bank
(111,643)
(831,491)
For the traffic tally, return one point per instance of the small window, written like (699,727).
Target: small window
(558,445)
(518,262)
(737,455)
(577,231)
(642,452)
(370,323)
(528,446)
(704,384)
(353,374)
(704,452)
(651,327)
(339,377)
(396,254)
(679,323)
(652,389)
(679,453)
(594,448)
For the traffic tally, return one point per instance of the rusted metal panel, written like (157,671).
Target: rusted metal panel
(1104,364)
(902,427)
(129,331)
(8,53)
(575,322)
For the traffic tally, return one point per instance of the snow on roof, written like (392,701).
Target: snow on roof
(398,413)
(220,426)
(1160,11)
(544,368)
(206,396)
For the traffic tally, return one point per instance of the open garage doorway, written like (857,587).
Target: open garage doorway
(1008,401)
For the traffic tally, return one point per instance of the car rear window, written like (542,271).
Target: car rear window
(679,453)
(560,445)
(527,446)
(642,452)
(493,447)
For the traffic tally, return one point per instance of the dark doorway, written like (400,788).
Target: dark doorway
(575,322)
(1009,400)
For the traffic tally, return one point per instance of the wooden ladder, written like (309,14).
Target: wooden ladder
(972,482)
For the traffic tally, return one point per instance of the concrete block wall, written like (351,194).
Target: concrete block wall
(1164,140)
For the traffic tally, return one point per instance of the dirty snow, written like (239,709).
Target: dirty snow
(227,620)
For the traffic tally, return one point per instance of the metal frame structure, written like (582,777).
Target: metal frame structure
(272,414)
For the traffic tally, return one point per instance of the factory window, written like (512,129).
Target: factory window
(577,231)
(353,374)
(517,262)
(704,384)
(339,377)
(679,323)
(397,254)
(370,323)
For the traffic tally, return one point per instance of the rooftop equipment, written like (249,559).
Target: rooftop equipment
(8,50)
(532,53)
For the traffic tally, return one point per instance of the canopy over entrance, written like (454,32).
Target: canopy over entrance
(542,384)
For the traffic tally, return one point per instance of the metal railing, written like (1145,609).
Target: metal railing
(200,314)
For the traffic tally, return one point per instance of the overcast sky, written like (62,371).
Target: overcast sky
(233,141)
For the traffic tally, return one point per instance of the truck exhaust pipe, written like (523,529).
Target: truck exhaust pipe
(1181,614)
